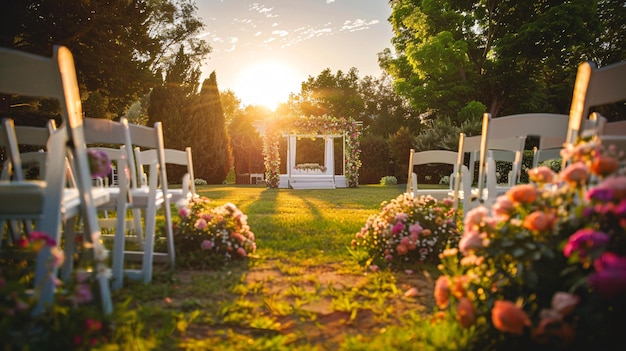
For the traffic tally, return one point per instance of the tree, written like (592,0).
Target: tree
(246,143)
(212,156)
(120,47)
(512,56)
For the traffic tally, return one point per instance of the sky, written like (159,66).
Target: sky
(263,50)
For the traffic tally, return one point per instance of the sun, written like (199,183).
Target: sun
(266,83)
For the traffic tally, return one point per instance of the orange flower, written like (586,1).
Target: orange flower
(465,313)
(539,221)
(509,318)
(604,165)
(458,286)
(523,193)
(442,291)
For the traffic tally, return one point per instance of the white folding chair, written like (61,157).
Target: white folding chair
(151,138)
(129,194)
(184,158)
(437,157)
(594,87)
(53,77)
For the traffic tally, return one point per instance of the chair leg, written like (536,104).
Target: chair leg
(119,245)
(148,249)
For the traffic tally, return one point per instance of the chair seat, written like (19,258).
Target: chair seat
(22,198)
(26,198)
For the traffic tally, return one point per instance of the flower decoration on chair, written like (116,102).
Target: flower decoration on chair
(74,321)
(208,236)
(546,267)
(322,125)
(408,230)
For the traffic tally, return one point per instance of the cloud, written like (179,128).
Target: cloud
(358,24)
(266,11)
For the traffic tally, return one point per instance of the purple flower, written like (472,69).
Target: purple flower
(609,279)
(584,240)
(99,163)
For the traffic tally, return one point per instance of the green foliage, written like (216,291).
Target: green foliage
(375,158)
(408,229)
(399,145)
(512,57)
(121,48)
(388,180)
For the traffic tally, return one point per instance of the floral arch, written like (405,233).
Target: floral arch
(273,131)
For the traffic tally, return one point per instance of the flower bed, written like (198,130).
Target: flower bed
(546,269)
(407,230)
(208,237)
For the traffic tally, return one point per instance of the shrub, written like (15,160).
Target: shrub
(546,268)
(388,180)
(208,236)
(199,181)
(407,230)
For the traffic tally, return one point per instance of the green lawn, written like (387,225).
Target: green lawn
(301,291)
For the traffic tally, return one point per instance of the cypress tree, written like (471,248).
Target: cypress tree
(211,143)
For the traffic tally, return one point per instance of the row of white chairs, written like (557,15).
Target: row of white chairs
(503,139)
(64,197)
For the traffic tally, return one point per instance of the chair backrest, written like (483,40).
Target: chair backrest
(12,167)
(432,157)
(594,87)
(34,136)
(146,137)
(173,157)
(105,132)
(54,77)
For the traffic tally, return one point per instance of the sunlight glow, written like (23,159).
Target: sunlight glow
(266,83)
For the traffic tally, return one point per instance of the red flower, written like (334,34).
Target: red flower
(509,318)
(442,291)
(465,313)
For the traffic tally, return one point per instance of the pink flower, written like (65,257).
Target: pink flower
(373,268)
(47,239)
(611,188)
(575,173)
(542,175)
(564,303)
(509,318)
(206,245)
(82,294)
(401,217)
(609,280)
(470,242)
(200,224)
(583,240)
(184,212)
(99,163)
(397,228)
(503,207)
(242,252)
(415,228)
